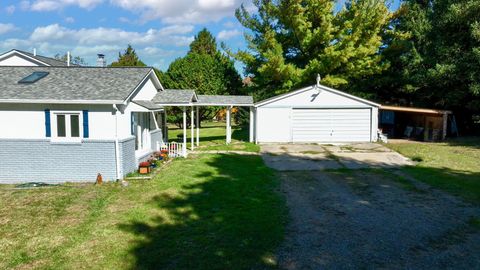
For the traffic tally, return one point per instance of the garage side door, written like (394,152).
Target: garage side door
(331,125)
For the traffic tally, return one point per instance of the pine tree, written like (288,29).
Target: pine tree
(291,41)
(129,58)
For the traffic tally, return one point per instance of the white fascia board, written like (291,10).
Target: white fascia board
(282,96)
(350,96)
(53,101)
(148,76)
(338,92)
(157,80)
(224,104)
(12,52)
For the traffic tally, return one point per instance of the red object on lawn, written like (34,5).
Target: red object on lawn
(144,164)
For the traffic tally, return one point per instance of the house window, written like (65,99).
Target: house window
(67,125)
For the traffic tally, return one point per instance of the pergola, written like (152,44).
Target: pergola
(189,99)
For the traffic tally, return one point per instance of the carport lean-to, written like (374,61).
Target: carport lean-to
(189,99)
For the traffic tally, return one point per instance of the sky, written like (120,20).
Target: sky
(159,30)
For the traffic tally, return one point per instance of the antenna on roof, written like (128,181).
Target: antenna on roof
(34,51)
(317,86)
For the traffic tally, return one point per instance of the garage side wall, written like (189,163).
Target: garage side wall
(273,125)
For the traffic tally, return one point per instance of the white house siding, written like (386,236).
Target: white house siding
(147,91)
(15,60)
(315,116)
(128,160)
(273,124)
(40,160)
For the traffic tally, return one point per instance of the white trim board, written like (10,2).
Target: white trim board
(322,87)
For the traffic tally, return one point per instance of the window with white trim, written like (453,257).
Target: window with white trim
(67,125)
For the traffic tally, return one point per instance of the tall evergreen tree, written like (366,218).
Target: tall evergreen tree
(204,43)
(434,57)
(128,58)
(290,41)
(204,69)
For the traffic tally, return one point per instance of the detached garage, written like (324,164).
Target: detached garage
(315,114)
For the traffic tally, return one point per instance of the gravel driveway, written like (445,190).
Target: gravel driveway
(369,219)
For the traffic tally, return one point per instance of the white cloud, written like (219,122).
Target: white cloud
(228,34)
(6,27)
(181,11)
(168,11)
(10,9)
(171,35)
(51,5)
(69,19)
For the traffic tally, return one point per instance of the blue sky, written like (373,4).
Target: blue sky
(159,30)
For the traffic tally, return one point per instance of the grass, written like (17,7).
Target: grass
(213,136)
(214,215)
(452,165)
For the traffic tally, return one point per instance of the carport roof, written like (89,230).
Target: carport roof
(413,110)
(147,104)
(188,97)
(219,100)
(175,97)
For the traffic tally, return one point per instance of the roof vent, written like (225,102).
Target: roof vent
(35,76)
(101,60)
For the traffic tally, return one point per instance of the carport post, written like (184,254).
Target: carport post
(229,128)
(192,134)
(251,124)
(198,126)
(184,148)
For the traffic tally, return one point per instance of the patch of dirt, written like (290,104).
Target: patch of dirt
(362,219)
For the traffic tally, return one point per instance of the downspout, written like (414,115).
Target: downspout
(117,145)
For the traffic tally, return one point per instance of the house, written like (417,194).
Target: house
(314,114)
(21,58)
(62,124)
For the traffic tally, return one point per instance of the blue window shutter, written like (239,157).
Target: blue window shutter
(48,128)
(132,121)
(86,132)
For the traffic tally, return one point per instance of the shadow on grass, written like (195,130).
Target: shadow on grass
(228,217)
(472,141)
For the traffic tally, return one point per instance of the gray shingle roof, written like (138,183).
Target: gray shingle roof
(225,100)
(48,60)
(71,84)
(148,104)
(175,96)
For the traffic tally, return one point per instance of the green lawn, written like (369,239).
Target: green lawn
(215,214)
(453,166)
(213,135)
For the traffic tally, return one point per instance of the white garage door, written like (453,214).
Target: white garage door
(331,125)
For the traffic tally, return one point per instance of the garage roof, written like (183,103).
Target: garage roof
(322,87)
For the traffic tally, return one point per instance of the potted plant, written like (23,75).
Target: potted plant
(144,167)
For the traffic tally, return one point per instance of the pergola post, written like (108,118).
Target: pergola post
(445,125)
(229,127)
(192,134)
(252,120)
(184,131)
(198,126)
